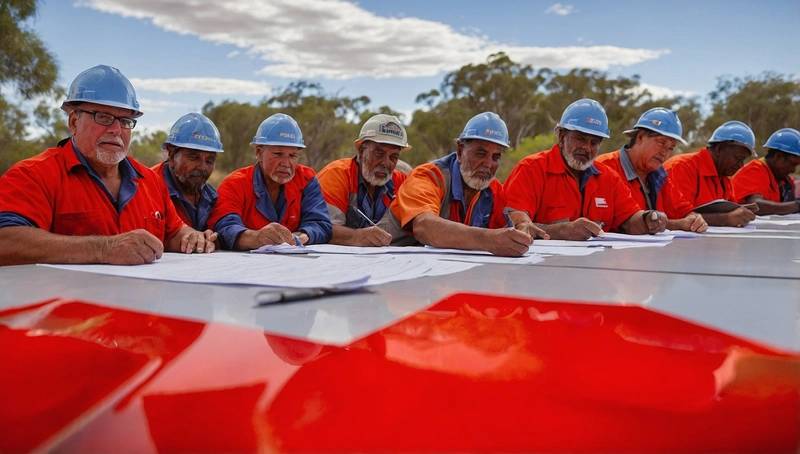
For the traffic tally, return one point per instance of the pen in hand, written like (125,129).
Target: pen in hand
(366,217)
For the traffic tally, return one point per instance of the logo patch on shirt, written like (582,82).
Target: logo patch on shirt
(600,202)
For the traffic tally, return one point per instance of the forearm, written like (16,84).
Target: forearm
(21,245)
(345,236)
(635,225)
(432,230)
(247,241)
(767,207)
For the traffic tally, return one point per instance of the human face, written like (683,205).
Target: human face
(784,164)
(729,158)
(191,168)
(378,161)
(103,146)
(579,149)
(651,150)
(277,163)
(478,161)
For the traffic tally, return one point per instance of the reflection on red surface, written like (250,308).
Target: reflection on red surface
(472,373)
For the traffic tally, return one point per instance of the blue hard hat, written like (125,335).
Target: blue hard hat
(786,140)
(486,126)
(279,129)
(661,120)
(735,131)
(104,85)
(586,115)
(195,131)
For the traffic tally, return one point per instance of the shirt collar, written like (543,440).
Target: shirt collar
(706,166)
(456,187)
(627,165)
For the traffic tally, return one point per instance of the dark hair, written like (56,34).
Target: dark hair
(772,153)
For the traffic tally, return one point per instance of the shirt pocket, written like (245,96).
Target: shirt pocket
(154,223)
(79,223)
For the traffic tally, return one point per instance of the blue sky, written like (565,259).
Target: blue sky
(180,57)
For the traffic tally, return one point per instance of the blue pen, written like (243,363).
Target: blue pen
(506,212)
(297,241)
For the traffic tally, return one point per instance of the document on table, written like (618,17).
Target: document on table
(750,228)
(772,221)
(611,236)
(599,243)
(275,270)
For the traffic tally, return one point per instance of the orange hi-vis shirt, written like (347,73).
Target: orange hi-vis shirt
(541,186)
(668,198)
(697,178)
(345,190)
(757,178)
(58,191)
(436,187)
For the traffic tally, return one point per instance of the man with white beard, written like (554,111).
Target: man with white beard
(86,200)
(565,193)
(359,190)
(455,201)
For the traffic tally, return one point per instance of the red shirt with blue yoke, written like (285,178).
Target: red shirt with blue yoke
(195,216)
(437,187)
(541,186)
(58,191)
(345,190)
(244,203)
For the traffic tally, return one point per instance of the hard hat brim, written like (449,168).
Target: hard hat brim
(403,147)
(471,137)
(585,131)
(781,148)
(136,113)
(277,144)
(752,150)
(665,134)
(194,146)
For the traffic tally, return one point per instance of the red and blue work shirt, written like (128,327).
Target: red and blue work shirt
(58,191)
(437,187)
(696,177)
(541,186)
(196,216)
(657,192)
(345,190)
(757,178)
(244,203)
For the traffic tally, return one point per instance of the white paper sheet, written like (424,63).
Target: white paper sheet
(783,222)
(731,230)
(611,236)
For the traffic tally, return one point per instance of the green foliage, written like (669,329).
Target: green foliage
(528,145)
(147,148)
(767,103)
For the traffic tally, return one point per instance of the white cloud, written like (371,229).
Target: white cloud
(340,40)
(560,10)
(207,85)
(158,105)
(663,92)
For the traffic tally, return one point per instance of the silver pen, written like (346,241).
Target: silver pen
(366,217)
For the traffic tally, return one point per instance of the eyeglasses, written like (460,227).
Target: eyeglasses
(106,119)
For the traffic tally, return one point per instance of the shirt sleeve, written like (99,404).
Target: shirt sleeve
(335,187)
(24,191)
(749,181)
(173,222)
(520,192)
(226,217)
(314,219)
(624,204)
(9,219)
(420,193)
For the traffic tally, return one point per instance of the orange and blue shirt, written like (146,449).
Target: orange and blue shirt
(437,187)
(345,190)
(58,191)
(757,178)
(657,192)
(244,203)
(541,186)
(195,216)
(696,177)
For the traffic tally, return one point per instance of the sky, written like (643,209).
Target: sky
(180,54)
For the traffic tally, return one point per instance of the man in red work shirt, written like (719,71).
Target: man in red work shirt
(652,141)
(85,200)
(704,176)
(192,147)
(275,200)
(358,190)
(565,193)
(768,182)
(455,201)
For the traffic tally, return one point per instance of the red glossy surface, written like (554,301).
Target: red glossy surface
(472,373)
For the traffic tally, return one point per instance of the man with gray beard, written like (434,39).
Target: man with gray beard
(358,190)
(455,201)
(85,200)
(565,193)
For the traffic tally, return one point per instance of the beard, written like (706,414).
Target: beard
(280,179)
(369,176)
(575,164)
(470,179)
(194,181)
(110,158)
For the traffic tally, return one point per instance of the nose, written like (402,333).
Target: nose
(115,127)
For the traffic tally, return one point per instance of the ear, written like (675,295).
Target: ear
(459,149)
(72,122)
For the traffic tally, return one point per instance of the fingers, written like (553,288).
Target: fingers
(211,237)
(698,224)
(153,243)
(376,236)
(520,237)
(588,226)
